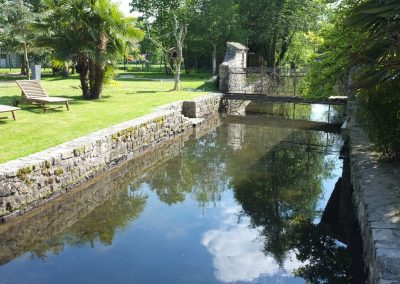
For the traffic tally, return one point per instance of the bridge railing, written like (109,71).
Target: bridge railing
(266,81)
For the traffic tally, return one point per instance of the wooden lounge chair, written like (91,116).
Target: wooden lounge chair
(11,109)
(33,93)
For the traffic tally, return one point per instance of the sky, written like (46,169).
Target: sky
(125,8)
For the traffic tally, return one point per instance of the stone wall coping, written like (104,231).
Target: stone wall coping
(377,198)
(208,96)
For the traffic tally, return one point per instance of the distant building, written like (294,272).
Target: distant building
(9,60)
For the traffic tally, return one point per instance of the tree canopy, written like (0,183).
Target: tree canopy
(90,33)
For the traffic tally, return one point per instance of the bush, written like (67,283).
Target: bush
(380,111)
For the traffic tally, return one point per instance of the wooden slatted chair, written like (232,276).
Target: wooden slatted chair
(11,109)
(32,92)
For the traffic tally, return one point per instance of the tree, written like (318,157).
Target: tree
(272,25)
(16,18)
(167,24)
(213,24)
(92,33)
(332,62)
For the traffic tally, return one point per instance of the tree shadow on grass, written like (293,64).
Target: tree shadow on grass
(144,92)
(8,100)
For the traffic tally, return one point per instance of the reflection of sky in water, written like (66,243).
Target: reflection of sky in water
(237,251)
(320,112)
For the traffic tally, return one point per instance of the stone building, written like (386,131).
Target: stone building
(9,60)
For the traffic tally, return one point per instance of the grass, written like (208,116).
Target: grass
(127,99)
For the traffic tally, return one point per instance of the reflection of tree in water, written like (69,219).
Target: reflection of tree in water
(100,225)
(114,214)
(280,185)
(200,171)
(326,259)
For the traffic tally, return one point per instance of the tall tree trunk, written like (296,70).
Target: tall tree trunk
(164,59)
(26,62)
(271,53)
(180,31)
(98,68)
(82,68)
(97,87)
(23,68)
(286,41)
(214,59)
(177,85)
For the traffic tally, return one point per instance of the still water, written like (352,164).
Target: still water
(220,206)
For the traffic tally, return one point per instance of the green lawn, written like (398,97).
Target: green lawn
(127,99)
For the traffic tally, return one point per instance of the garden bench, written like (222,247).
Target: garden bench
(11,109)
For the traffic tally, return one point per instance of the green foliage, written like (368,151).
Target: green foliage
(328,260)
(213,23)
(360,53)
(381,116)
(379,59)
(329,70)
(272,25)
(378,78)
(16,32)
(92,34)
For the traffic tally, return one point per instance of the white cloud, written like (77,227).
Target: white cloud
(237,254)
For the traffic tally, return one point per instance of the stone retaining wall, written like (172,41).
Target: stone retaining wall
(203,106)
(26,181)
(376,196)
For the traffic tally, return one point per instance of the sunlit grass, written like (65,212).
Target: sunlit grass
(127,99)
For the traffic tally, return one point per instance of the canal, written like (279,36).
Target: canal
(240,200)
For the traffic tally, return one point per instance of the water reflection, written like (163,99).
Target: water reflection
(219,208)
(238,252)
(279,186)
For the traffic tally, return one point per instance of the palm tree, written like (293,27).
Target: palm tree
(380,20)
(92,33)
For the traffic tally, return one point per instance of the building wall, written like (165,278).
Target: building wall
(9,60)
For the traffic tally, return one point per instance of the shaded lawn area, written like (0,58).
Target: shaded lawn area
(35,131)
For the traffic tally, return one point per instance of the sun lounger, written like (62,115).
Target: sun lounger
(33,93)
(11,109)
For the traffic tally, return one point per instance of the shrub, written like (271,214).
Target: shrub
(380,111)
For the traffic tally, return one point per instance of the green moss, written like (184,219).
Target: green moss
(45,172)
(79,151)
(23,173)
(58,172)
